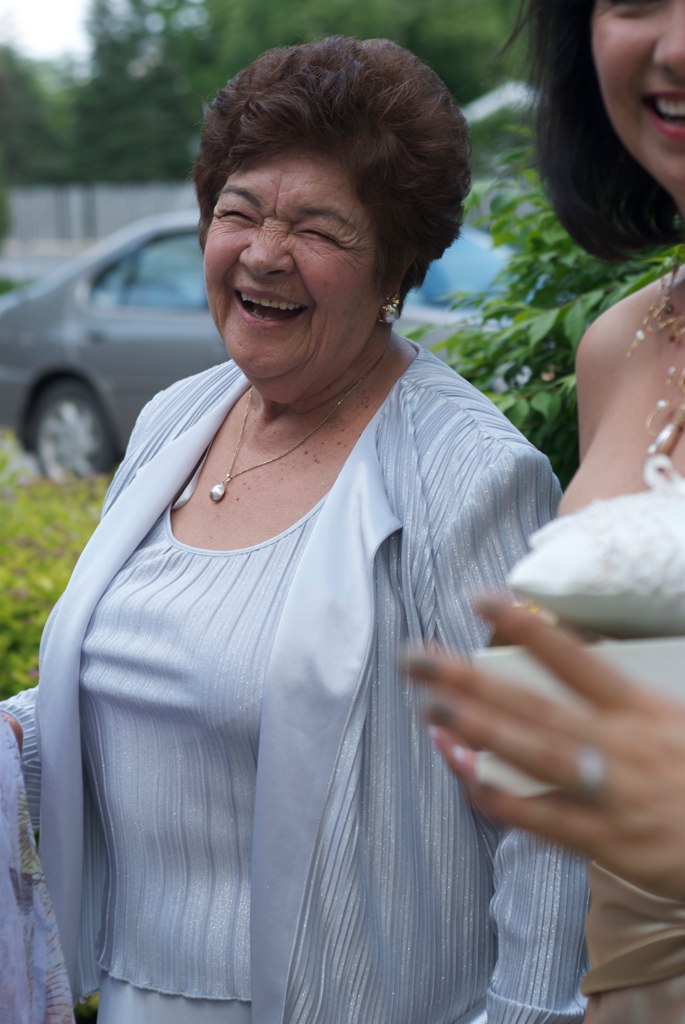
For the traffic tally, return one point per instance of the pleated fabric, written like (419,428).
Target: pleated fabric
(416,909)
(172,675)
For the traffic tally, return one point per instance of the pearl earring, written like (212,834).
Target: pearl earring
(390,310)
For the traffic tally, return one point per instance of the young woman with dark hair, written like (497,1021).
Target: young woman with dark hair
(602,193)
(610,80)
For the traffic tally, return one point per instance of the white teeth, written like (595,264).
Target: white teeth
(270,303)
(670,107)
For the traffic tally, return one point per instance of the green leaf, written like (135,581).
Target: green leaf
(542,403)
(575,323)
(542,325)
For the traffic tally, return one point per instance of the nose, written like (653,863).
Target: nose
(268,252)
(669,50)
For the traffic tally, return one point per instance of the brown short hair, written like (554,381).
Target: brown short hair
(373,106)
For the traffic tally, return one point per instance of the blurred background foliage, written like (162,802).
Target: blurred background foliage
(132,113)
(44,528)
(520,342)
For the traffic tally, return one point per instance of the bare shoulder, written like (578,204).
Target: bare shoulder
(601,360)
(609,337)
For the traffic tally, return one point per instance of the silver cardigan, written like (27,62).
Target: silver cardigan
(378,896)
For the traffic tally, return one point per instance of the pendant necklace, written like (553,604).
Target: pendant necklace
(662,317)
(218,490)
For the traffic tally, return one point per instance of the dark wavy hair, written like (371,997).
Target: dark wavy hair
(371,105)
(606,201)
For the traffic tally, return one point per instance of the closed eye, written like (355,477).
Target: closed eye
(237,215)
(319,234)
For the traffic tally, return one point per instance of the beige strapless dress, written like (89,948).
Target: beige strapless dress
(636,944)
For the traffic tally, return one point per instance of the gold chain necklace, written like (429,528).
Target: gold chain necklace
(662,317)
(218,490)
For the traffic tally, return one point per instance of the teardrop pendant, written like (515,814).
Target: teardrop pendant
(217,492)
(665,441)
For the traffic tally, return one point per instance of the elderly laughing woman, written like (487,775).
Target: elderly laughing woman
(241,815)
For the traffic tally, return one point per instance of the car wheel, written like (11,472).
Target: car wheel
(69,432)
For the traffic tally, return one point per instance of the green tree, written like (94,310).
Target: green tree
(461,45)
(33,119)
(134,116)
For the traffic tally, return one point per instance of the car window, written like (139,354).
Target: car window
(469,265)
(164,273)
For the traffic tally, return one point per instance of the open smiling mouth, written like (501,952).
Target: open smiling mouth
(670,110)
(270,309)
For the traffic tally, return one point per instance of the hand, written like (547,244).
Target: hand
(632,819)
(15,727)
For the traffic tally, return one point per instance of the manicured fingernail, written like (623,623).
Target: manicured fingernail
(423,665)
(458,753)
(439,714)
(489,606)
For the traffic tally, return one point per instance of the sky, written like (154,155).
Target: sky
(44,29)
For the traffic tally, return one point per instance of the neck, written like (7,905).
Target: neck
(272,400)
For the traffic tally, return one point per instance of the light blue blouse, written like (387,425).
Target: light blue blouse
(172,675)
(377,894)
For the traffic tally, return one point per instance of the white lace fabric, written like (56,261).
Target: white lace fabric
(617,566)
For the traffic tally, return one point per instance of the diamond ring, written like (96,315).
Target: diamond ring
(591,773)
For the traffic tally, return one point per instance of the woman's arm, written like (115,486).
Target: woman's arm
(635,823)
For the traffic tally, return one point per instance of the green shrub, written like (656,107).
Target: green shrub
(43,529)
(88,1010)
(520,346)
